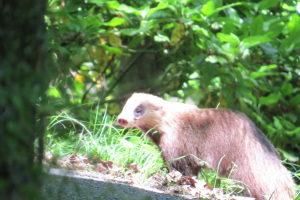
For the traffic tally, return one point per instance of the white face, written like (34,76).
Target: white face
(140,111)
(131,113)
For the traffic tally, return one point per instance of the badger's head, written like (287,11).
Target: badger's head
(143,111)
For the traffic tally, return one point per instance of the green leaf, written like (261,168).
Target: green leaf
(126,143)
(256,27)
(168,26)
(160,6)
(61,49)
(296,131)
(208,8)
(228,94)
(216,59)
(294,24)
(98,2)
(267,67)
(228,21)
(269,49)
(235,15)
(135,41)
(277,123)
(134,31)
(92,21)
(290,117)
(254,41)
(232,39)
(116,21)
(287,124)
(208,70)
(290,7)
(72,6)
(112,49)
(144,28)
(151,149)
(218,5)
(134,139)
(144,10)
(177,33)
(263,71)
(161,37)
(286,89)
(112,4)
(202,31)
(290,40)
(252,98)
(271,99)
(289,156)
(129,31)
(268,4)
(54,92)
(129,9)
(79,88)
(295,100)
(260,74)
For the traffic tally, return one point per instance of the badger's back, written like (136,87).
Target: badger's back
(210,134)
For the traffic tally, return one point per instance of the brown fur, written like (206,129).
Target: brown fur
(210,134)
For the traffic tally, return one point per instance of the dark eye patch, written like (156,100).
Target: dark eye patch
(139,111)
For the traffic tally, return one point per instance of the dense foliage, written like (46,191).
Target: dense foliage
(24,78)
(227,54)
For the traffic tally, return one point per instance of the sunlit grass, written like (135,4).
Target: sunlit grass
(295,170)
(97,136)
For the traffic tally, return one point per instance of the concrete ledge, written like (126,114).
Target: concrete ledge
(67,185)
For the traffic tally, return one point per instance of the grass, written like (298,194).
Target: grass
(96,135)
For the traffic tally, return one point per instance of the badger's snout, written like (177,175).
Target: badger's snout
(122,121)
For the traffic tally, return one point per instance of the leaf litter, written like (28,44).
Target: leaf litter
(173,183)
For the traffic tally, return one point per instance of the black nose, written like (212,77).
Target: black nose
(122,122)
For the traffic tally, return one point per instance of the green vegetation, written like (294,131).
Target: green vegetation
(237,55)
(97,136)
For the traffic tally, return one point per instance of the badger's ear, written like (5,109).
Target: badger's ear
(156,107)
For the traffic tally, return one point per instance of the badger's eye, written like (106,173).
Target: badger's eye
(139,111)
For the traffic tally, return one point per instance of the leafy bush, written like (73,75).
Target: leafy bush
(238,55)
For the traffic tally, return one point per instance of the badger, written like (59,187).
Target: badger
(222,138)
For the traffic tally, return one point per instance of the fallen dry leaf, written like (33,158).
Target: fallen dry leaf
(207,186)
(72,159)
(95,160)
(85,159)
(108,164)
(188,181)
(174,176)
(78,165)
(133,167)
(100,168)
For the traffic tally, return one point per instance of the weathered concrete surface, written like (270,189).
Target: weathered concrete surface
(65,185)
